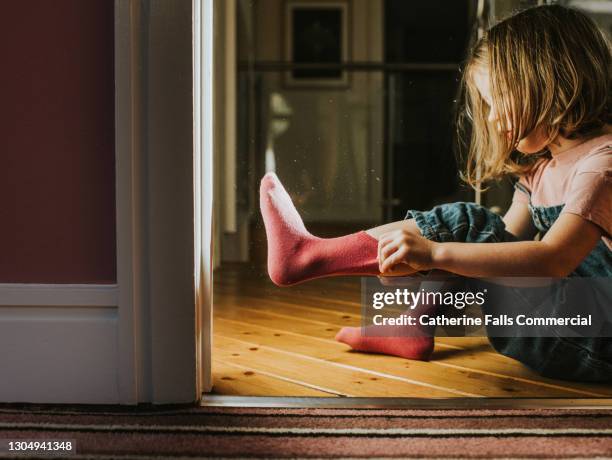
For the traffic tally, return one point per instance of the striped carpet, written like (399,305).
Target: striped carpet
(204,432)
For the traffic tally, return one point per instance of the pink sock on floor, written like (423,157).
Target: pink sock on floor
(410,342)
(388,340)
(295,255)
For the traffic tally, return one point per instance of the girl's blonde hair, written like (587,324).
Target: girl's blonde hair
(549,68)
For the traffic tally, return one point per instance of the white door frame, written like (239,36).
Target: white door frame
(203,57)
(128,148)
(158,191)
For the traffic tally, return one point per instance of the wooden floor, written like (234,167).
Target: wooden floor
(271,341)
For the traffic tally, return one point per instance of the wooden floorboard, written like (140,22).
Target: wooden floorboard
(237,380)
(321,374)
(271,341)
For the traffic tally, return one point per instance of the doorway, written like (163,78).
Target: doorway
(355,142)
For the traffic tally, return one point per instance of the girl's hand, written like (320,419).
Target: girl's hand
(404,247)
(397,275)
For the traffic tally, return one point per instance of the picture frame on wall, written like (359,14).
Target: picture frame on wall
(317,33)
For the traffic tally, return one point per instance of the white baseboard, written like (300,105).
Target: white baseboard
(59,344)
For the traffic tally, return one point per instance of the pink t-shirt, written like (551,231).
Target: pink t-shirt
(580,178)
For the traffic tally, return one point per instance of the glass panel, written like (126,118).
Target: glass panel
(326,145)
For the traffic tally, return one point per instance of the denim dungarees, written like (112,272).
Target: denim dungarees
(597,263)
(587,359)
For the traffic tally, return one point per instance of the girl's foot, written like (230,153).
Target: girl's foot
(295,255)
(410,342)
(388,340)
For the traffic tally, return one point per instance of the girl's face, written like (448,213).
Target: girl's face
(534,142)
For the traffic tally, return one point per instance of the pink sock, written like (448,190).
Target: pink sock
(410,342)
(295,255)
(402,341)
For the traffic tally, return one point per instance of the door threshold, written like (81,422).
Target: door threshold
(403,403)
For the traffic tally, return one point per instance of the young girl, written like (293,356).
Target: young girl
(538,98)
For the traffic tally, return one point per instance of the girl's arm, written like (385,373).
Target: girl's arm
(564,246)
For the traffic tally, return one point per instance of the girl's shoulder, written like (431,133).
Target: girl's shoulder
(592,156)
(598,157)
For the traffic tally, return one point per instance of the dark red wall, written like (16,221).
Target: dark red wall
(57,182)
